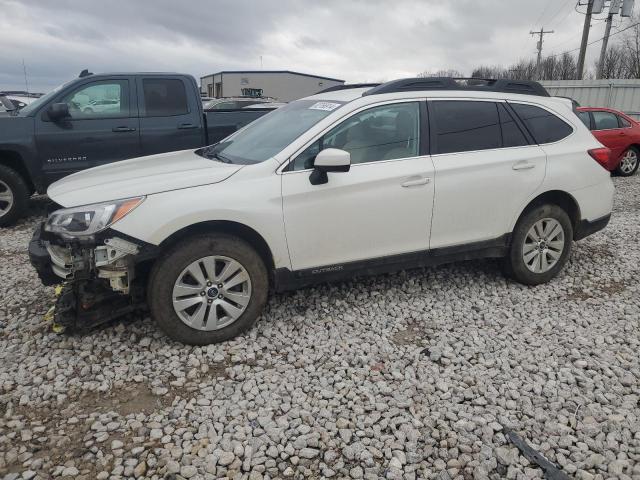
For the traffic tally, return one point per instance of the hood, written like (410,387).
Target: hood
(139,176)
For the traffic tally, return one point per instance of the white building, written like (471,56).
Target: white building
(282,85)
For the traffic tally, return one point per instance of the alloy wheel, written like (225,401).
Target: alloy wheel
(6,198)
(629,161)
(543,245)
(211,293)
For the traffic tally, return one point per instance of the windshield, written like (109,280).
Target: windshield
(33,106)
(269,134)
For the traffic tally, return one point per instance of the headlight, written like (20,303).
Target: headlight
(89,219)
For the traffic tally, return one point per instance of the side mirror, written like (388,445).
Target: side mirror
(58,111)
(329,160)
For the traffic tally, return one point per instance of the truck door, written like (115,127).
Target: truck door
(170,118)
(102,128)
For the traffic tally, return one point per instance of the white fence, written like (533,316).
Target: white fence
(622,95)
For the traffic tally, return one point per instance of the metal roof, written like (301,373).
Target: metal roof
(274,71)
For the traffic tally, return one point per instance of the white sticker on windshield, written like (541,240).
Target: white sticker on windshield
(328,106)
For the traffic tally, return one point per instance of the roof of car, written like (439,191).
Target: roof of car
(355,93)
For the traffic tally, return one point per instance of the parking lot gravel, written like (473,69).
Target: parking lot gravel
(401,376)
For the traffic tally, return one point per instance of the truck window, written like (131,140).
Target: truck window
(164,97)
(106,99)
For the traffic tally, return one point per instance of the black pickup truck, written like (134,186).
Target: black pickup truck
(103,118)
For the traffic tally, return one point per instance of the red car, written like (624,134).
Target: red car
(618,132)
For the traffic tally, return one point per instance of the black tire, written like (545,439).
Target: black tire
(627,172)
(168,268)
(12,181)
(514,263)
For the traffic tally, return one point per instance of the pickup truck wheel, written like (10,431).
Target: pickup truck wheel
(208,289)
(14,196)
(540,245)
(629,162)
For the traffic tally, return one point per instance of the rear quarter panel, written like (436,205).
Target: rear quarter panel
(571,169)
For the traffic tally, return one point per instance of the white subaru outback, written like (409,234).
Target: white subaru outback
(350,181)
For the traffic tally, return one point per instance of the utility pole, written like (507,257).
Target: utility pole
(585,38)
(603,50)
(541,33)
(614,9)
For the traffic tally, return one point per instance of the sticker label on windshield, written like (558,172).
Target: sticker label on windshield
(327,106)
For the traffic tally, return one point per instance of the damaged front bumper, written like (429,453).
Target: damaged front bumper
(103,277)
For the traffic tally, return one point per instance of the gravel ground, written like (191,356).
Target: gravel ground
(409,375)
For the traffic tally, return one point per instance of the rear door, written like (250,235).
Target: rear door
(606,128)
(94,134)
(485,168)
(169,117)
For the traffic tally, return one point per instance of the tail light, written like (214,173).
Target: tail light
(601,155)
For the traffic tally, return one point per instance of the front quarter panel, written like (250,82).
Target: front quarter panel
(251,197)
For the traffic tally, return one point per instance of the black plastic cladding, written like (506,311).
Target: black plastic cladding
(525,87)
(335,88)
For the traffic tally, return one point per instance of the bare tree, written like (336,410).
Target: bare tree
(567,68)
(631,48)
(442,73)
(615,63)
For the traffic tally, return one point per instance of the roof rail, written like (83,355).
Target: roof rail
(335,88)
(526,87)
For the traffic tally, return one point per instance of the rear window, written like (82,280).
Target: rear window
(164,97)
(605,120)
(624,123)
(584,116)
(543,125)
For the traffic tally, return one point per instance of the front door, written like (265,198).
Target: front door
(102,128)
(381,207)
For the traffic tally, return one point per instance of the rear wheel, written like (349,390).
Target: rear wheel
(208,289)
(14,196)
(629,162)
(540,245)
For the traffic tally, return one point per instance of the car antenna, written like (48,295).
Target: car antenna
(84,73)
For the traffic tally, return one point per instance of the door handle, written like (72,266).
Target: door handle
(186,126)
(123,129)
(524,166)
(417,181)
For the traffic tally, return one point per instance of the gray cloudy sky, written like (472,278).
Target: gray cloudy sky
(356,40)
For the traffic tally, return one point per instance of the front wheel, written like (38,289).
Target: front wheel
(208,289)
(540,245)
(629,163)
(14,196)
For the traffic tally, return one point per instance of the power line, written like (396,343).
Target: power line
(595,41)
(552,22)
(549,2)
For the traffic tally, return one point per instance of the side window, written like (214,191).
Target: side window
(586,119)
(623,122)
(224,106)
(462,126)
(512,136)
(604,120)
(542,124)
(99,100)
(164,97)
(381,133)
